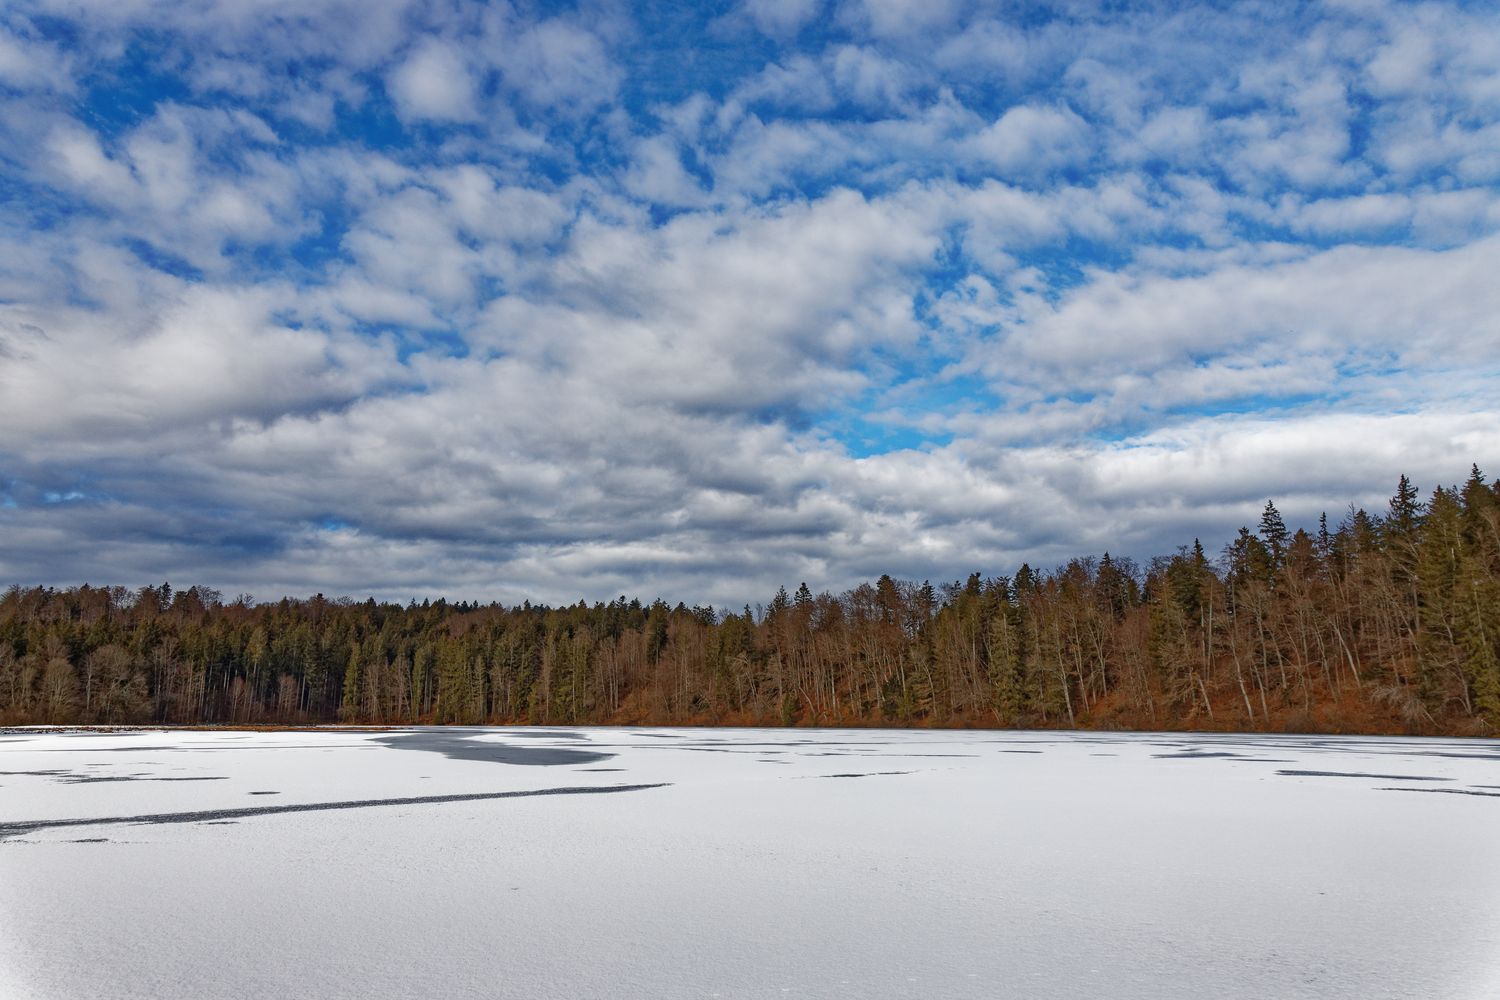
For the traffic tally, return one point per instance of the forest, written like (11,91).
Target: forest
(1385,622)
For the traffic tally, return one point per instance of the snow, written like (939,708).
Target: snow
(745,863)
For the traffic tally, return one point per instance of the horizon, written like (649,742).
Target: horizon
(1137,570)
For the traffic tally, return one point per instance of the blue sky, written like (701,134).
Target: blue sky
(505,301)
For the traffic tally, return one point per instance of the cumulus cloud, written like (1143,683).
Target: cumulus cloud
(1030,141)
(897,18)
(434,82)
(561,66)
(29,62)
(657,175)
(781,18)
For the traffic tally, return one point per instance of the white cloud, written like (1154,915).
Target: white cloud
(899,18)
(1408,307)
(869,78)
(185,181)
(434,82)
(1360,215)
(28,62)
(204,356)
(80,160)
(657,175)
(799,83)
(1405,63)
(1175,134)
(561,66)
(781,18)
(1029,140)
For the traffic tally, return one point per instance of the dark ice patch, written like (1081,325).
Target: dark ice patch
(201,748)
(713,749)
(1442,791)
(1358,774)
(91,779)
(1194,755)
(462,746)
(561,734)
(265,793)
(890,755)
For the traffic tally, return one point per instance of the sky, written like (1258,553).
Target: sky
(505,302)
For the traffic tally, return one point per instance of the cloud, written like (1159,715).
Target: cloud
(657,175)
(869,78)
(1172,134)
(561,66)
(26,62)
(1348,302)
(434,83)
(1364,214)
(78,157)
(201,356)
(464,299)
(1030,141)
(899,18)
(1405,63)
(780,19)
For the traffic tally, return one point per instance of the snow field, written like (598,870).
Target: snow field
(767,863)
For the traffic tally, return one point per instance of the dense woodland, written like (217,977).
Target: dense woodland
(1387,622)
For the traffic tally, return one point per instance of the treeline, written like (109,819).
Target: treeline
(1388,622)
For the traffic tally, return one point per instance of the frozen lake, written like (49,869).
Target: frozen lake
(541,863)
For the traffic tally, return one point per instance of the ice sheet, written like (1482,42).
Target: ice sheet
(746,863)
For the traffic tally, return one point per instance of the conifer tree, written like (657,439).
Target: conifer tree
(1273,532)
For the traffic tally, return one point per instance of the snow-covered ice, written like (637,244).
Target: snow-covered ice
(539,863)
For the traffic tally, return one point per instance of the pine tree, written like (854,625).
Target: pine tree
(1438,557)
(1478,594)
(1405,512)
(1273,532)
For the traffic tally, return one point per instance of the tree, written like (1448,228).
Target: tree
(349,703)
(1387,623)
(1405,511)
(1273,532)
(116,687)
(59,692)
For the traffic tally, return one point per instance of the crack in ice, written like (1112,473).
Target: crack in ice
(20,827)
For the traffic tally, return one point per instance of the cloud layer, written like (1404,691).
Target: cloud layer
(490,301)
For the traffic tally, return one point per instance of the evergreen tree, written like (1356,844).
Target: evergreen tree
(1273,532)
(1405,511)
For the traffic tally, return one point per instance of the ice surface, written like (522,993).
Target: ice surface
(746,863)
